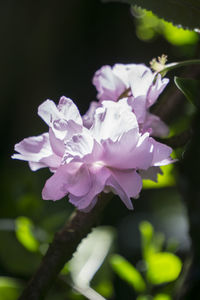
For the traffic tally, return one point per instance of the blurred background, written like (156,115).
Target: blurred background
(49,49)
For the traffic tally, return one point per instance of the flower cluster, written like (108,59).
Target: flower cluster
(110,149)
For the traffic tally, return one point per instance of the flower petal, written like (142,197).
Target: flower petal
(126,184)
(161,154)
(141,78)
(64,120)
(112,120)
(159,128)
(88,118)
(156,89)
(108,85)
(71,178)
(78,146)
(37,150)
(129,152)
(99,175)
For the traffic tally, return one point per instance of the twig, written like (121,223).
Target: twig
(61,250)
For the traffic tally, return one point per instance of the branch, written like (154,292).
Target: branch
(61,250)
(189,186)
(178,140)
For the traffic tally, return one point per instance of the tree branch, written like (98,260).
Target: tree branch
(189,186)
(178,140)
(61,250)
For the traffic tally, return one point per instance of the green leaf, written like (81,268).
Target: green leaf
(10,288)
(185,13)
(147,233)
(25,235)
(163,267)
(128,272)
(162,297)
(190,88)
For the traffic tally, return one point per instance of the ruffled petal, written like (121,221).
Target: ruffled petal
(37,150)
(161,154)
(108,85)
(126,184)
(112,120)
(78,146)
(156,89)
(159,128)
(69,110)
(71,178)
(139,107)
(129,152)
(141,78)
(64,119)
(99,174)
(88,118)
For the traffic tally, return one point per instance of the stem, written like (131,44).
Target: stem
(176,65)
(61,250)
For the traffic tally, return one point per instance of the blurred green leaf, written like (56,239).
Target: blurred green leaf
(179,36)
(190,88)
(162,297)
(183,13)
(163,267)
(158,241)
(128,272)
(24,234)
(10,288)
(65,270)
(148,25)
(105,288)
(147,233)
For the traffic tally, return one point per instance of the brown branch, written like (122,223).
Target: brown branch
(61,250)
(189,187)
(178,140)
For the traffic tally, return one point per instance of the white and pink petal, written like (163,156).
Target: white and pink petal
(71,178)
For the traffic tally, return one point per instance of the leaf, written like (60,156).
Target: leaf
(163,267)
(10,288)
(190,88)
(147,234)
(24,234)
(180,12)
(128,272)
(162,297)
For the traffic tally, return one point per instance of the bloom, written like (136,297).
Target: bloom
(107,157)
(139,84)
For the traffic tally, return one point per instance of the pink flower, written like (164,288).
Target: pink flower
(139,84)
(47,149)
(107,157)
